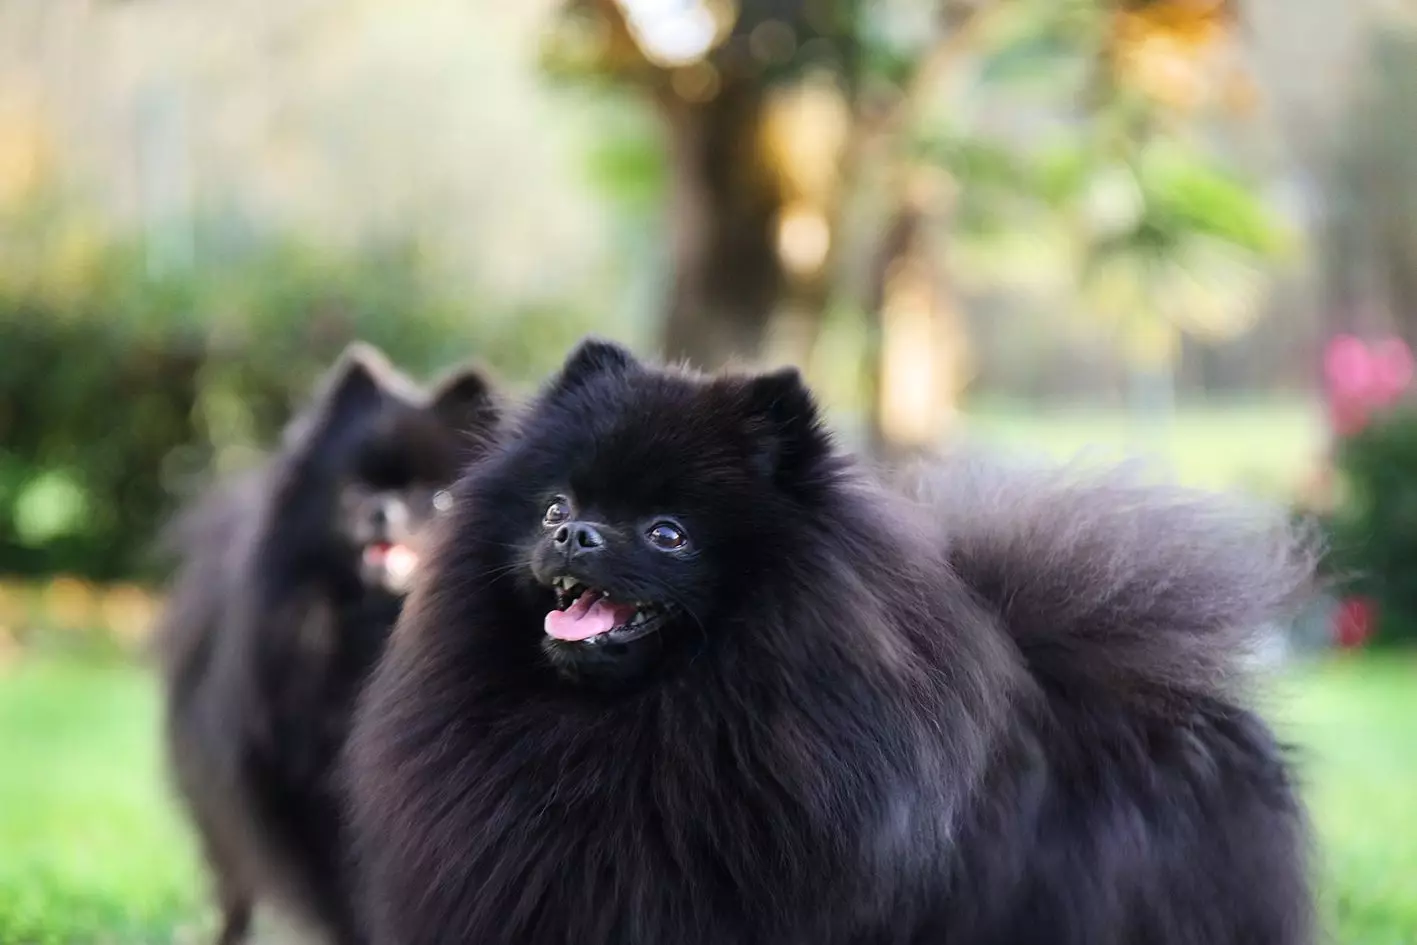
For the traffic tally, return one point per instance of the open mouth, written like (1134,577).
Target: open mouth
(394,561)
(588,615)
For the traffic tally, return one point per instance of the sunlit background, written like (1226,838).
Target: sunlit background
(1184,229)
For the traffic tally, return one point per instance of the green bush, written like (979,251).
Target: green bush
(1373,531)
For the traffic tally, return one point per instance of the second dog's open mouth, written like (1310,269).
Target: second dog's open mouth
(588,615)
(395,561)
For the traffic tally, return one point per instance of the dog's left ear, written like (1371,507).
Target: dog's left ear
(784,426)
(467,402)
(593,357)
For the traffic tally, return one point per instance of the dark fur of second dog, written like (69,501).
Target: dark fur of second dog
(289,580)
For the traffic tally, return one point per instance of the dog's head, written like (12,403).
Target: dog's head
(369,460)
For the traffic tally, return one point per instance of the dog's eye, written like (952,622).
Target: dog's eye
(666,536)
(557,512)
(442,500)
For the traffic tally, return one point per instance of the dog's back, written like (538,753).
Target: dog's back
(212,541)
(209,541)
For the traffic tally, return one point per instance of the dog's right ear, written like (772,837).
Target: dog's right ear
(466,401)
(783,422)
(351,392)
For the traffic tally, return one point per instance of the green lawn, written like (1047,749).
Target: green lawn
(1353,720)
(1271,447)
(90,850)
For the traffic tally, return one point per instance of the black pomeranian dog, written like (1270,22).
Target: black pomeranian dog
(677,671)
(290,580)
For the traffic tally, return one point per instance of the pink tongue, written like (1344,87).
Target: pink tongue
(391,552)
(588,616)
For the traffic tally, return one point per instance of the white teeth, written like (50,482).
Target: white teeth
(639,618)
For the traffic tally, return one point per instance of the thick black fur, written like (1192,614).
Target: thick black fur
(274,621)
(999,707)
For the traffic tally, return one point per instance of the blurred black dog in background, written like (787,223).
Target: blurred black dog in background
(678,673)
(290,579)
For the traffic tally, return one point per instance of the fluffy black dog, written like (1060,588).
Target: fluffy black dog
(678,672)
(291,578)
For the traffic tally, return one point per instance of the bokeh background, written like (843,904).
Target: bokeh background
(1184,229)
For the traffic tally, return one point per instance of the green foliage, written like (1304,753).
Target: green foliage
(1186,199)
(892,38)
(982,164)
(1045,44)
(1189,195)
(1374,529)
(89,415)
(628,163)
(1165,236)
(1181,196)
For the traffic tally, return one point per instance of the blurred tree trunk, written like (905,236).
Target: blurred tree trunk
(724,207)
(904,249)
(902,233)
(916,347)
(736,183)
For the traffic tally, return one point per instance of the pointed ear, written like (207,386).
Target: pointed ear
(784,426)
(466,402)
(348,395)
(592,358)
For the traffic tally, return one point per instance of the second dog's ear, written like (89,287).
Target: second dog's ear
(466,401)
(350,393)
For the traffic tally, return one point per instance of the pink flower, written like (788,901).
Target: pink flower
(1348,367)
(1360,378)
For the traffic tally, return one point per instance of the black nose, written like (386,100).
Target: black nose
(388,512)
(578,538)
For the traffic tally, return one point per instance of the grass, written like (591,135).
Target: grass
(1269,447)
(94,853)
(1353,720)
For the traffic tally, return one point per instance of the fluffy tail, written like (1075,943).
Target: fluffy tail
(1107,580)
